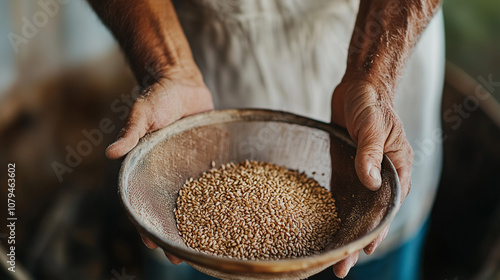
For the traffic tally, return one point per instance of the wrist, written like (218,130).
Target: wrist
(380,84)
(160,73)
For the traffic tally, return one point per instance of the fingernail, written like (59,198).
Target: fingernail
(341,275)
(109,148)
(369,248)
(347,271)
(375,174)
(118,140)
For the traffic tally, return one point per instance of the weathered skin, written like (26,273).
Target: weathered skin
(385,32)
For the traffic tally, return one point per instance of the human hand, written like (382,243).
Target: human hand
(366,109)
(163,103)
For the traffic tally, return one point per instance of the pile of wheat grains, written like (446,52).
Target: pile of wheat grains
(256,211)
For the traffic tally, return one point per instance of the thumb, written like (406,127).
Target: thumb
(368,160)
(137,125)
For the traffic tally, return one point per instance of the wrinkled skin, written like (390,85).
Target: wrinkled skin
(384,34)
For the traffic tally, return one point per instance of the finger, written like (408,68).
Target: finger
(137,125)
(404,174)
(150,244)
(173,259)
(402,160)
(341,269)
(369,158)
(372,246)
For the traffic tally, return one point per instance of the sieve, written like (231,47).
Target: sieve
(154,171)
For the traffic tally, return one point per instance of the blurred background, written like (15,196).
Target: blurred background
(64,91)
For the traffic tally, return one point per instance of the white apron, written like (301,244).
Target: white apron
(290,55)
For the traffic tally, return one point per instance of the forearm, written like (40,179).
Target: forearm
(150,34)
(384,35)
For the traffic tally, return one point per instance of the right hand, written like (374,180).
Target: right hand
(163,103)
(366,109)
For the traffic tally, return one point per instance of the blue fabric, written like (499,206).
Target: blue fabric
(162,269)
(403,263)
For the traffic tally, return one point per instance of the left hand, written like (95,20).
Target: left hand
(366,109)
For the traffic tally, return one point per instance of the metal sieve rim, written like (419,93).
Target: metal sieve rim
(228,265)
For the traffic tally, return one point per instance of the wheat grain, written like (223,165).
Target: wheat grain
(256,210)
